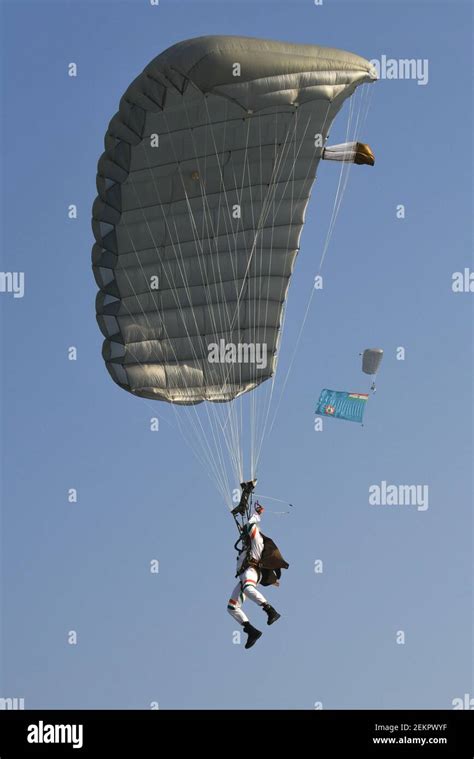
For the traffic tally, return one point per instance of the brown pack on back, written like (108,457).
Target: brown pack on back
(271,562)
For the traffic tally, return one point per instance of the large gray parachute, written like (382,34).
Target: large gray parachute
(202,192)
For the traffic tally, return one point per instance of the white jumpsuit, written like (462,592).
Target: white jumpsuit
(247,585)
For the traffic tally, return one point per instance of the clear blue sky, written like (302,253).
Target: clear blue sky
(85,566)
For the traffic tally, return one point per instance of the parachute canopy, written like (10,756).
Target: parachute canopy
(371,360)
(202,193)
(341,405)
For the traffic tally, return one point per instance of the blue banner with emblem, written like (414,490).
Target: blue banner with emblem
(342,405)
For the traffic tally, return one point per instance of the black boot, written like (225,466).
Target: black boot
(253,634)
(271,613)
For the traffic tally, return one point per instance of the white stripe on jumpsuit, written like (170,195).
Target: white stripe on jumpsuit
(247,585)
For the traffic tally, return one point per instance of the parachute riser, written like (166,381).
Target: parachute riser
(244,508)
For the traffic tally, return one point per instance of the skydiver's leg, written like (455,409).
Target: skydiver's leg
(234,607)
(235,610)
(249,586)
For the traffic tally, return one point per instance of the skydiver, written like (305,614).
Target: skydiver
(249,574)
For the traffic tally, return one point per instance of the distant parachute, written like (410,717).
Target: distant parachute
(371,360)
(350,406)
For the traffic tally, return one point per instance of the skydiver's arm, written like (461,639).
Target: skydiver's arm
(251,526)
